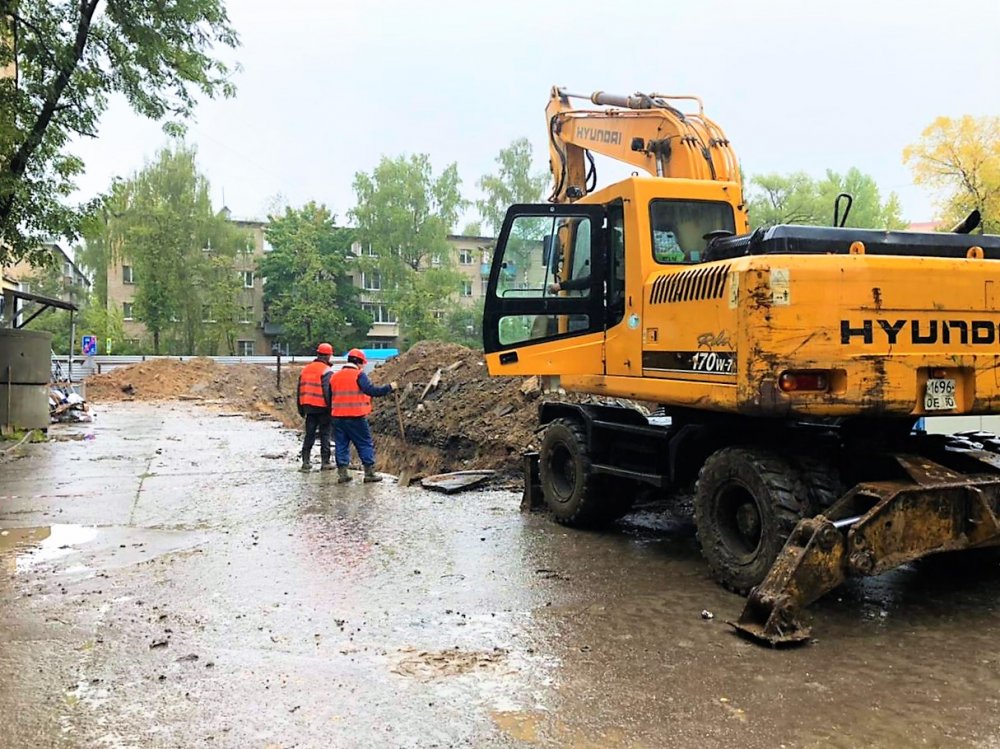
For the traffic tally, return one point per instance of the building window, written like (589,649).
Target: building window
(206,313)
(379,313)
(128,275)
(435,260)
(127,310)
(371,281)
(247,278)
(247,314)
(465,257)
(438,315)
(378,344)
(207,247)
(367,251)
(244,348)
(466,288)
(483,284)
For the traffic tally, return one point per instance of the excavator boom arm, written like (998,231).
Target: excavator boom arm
(646,131)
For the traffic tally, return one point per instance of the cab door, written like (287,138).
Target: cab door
(544,312)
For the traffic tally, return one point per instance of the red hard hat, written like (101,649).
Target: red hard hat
(324,349)
(356,353)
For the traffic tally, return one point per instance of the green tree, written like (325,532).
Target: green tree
(960,159)
(404,213)
(513,182)
(309,289)
(71,58)
(464,325)
(797,198)
(180,250)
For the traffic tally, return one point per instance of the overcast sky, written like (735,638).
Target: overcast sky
(327,88)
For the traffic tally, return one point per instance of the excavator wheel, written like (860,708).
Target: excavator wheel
(746,503)
(574,495)
(823,482)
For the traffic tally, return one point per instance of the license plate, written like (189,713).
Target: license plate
(940,395)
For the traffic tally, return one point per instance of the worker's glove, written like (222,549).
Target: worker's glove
(555,288)
(394,385)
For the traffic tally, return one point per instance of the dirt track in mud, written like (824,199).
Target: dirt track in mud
(167,579)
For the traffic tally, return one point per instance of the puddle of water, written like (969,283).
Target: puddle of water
(519,725)
(33,546)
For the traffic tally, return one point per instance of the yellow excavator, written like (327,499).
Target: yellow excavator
(793,365)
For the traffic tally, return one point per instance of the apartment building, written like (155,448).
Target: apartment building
(253,338)
(21,276)
(470,257)
(22,273)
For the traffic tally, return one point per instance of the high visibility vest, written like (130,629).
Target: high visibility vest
(311,384)
(348,400)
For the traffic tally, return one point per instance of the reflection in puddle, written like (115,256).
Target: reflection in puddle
(22,548)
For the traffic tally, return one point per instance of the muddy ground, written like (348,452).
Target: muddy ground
(167,579)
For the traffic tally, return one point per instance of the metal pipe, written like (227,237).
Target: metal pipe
(72,337)
(689,97)
(838,524)
(636,101)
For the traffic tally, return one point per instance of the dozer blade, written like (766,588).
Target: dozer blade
(875,527)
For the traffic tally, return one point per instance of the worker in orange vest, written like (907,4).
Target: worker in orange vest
(350,395)
(315,406)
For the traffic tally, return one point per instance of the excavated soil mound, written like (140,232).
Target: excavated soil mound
(246,387)
(468,420)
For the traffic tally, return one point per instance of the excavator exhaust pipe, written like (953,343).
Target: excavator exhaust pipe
(875,527)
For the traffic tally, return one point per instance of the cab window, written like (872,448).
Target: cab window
(546,256)
(679,228)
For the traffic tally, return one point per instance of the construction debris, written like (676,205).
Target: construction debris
(457,481)
(432,384)
(66,405)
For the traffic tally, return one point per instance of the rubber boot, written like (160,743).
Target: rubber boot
(326,465)
(306,465)
(342,475)
(370,476)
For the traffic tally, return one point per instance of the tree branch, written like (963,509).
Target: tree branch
(25,22)
(19,162)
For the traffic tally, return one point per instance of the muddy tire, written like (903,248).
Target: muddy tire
(823,483)
(746,503)
(572,493)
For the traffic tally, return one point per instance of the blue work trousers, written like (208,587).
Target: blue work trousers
(353,429)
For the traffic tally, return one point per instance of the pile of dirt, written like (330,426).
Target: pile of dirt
(246,387)
(468,420)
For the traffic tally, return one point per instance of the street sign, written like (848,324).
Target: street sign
(90,345)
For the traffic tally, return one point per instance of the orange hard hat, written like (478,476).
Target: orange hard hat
(356,353)
(324,349)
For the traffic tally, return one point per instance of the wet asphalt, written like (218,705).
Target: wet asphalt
(169,579)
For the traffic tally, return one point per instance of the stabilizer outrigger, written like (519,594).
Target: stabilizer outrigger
(876,527)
